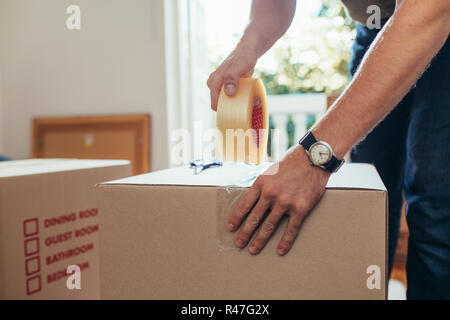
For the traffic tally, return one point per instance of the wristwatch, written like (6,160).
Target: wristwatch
(320,153)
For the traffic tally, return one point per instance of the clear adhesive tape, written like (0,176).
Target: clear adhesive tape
(245,110)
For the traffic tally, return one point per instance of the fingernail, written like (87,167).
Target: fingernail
(239,243)
(281,251)
(253,249)
(230,89)
(230,226)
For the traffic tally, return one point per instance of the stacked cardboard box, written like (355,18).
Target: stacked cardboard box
(48,222)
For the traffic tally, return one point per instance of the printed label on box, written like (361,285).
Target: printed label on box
(34,285)
(32,265)
(31,246)
(30,227)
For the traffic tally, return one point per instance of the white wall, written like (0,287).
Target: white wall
(115,64)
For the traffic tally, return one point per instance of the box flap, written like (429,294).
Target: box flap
(350,176)
(37,166)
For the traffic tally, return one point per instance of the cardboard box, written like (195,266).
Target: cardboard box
(48,221)
(164,237)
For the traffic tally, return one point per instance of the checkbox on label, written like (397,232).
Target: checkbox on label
(31,246)
(32,265)
(33,285)
(30,227)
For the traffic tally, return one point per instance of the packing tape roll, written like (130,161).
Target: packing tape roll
(245,110)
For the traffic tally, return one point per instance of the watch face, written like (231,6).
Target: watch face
(320,153)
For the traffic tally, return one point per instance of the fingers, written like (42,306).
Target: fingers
(243,208)
(214,98)
(236,70)
(290,234)
(252,222)
(231,81)
(215,83)
(227,76)
(267,229)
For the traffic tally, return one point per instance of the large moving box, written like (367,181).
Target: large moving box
(164,236)
(48,222)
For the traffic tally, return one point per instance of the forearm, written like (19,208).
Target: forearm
(395,61)
(269,20)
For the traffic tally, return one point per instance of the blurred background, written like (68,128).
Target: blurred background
(154,57)
(135,71)
(311,57)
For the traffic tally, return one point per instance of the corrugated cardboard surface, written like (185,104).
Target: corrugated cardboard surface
(170,242)
(33,192)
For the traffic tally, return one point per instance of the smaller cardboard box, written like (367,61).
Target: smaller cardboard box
(164,237)
(48,222)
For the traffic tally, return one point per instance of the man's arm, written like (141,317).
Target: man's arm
(397,58)
(394,62)
(269,20)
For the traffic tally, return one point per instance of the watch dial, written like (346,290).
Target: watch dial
(320,154)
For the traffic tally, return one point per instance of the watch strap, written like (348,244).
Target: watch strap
(333,165)
(308,140)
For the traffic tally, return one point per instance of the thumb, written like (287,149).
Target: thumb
(231,82)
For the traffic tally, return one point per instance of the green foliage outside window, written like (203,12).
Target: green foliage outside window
(316,61)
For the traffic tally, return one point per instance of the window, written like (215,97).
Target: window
(311,57)
(308,63)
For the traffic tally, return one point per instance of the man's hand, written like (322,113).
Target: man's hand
(269,19)
(239,64)
(293,189)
